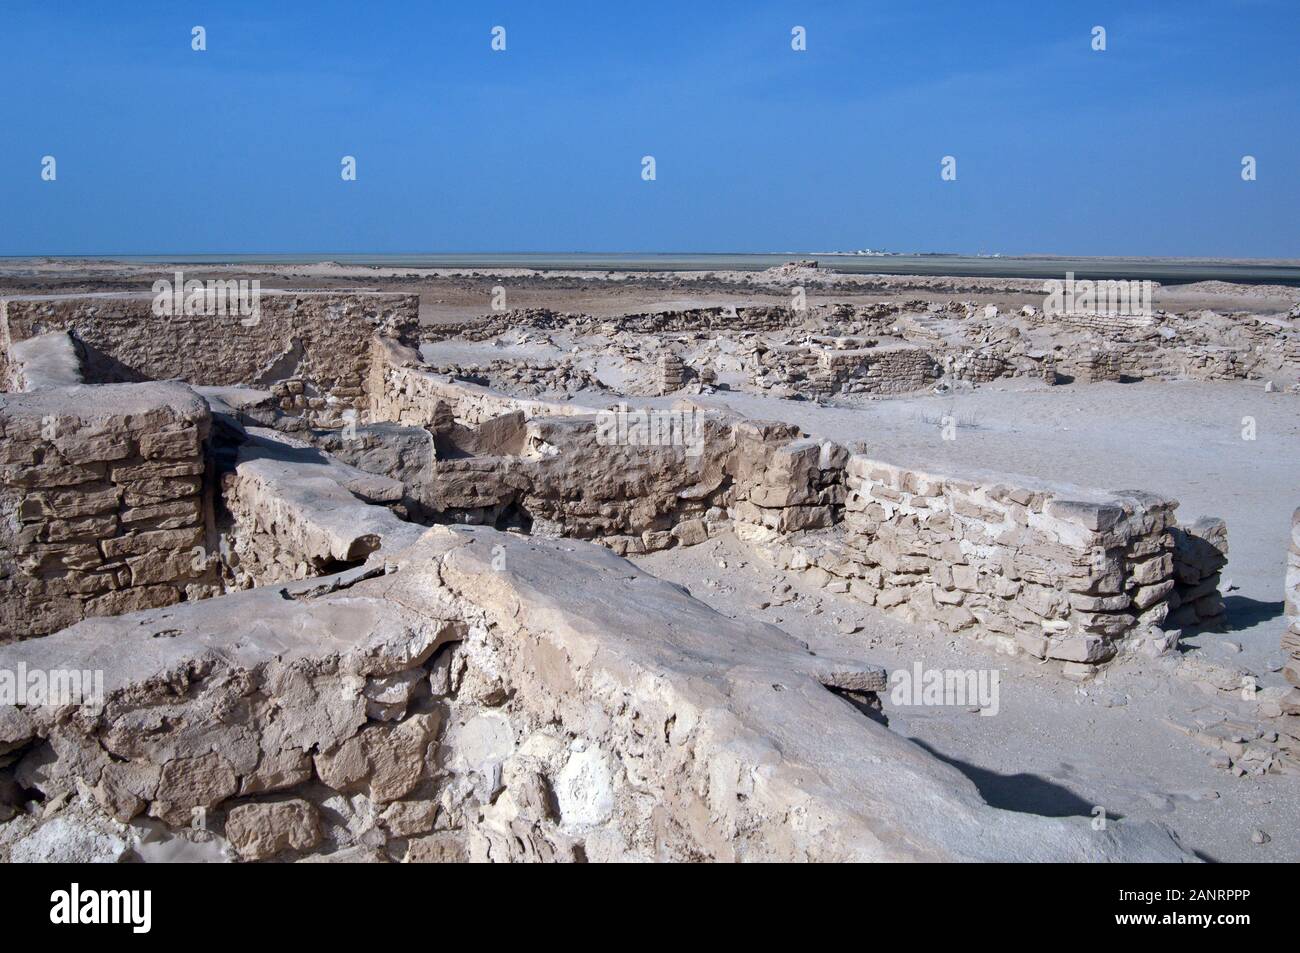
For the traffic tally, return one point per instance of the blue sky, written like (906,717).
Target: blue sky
(1132,151)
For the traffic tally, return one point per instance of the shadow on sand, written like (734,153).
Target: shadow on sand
(1022,793)
(1243,612)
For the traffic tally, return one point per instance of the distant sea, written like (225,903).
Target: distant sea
(1164,270)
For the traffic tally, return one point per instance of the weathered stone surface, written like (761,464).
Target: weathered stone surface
(555,649)
(261,830)
(297,513)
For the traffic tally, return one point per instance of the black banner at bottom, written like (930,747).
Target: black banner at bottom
(140,903)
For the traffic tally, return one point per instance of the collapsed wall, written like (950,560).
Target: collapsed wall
(491,697)
(103,500)
(322,338)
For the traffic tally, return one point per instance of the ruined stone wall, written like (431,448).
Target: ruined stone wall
(1200,553)
(1057,577)
(882,370)
(894,369)
(102,503)
(1095,365)
(288,511)
(402,390)
(981,365)
(784,484)
(489,698)
(569,482)
(321,338)
(524,378)
(1062,578)
(698,320)
(47,360)
(1065,578)
(1291,638)
(1107,325)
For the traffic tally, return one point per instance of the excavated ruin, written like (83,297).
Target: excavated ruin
(356,590)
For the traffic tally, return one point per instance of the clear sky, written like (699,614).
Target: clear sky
(1136,150)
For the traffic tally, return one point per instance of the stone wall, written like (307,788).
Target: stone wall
(1095,365)
(319,337)
(783,483)
(980,365)
(103,502)
(1068,575)
(695,320)
(493,698)
(47,360)
(1109,325)
(1200,553)
(402,390)
(566,480)
(531,378)
(1291,638)
(1066,578)
(821,371)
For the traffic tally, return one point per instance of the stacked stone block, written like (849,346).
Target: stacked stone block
(889,369)
(670,374)
(1027,569)
(980,365)
(103,504)
(1200,553)
(1096,366)
(784,485)
(1066,579)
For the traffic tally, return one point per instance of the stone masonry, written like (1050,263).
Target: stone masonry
(322,339)
(103,502)
(1291,638)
